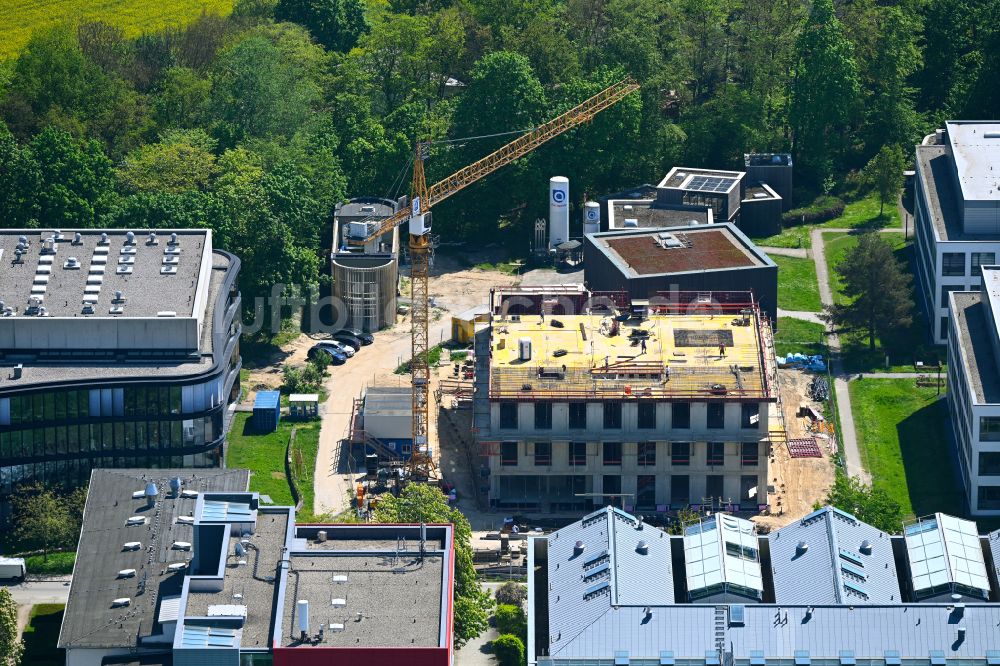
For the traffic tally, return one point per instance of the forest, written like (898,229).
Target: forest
(257,123)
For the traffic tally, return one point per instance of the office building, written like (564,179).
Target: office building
(827,590)
(119,349)
(647,263)
(957,213)
(187,568)
(974,390)
(659,412)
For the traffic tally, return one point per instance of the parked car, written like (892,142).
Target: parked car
(365,338)
(12,568)
(344,348)
(336,356)
(349,340)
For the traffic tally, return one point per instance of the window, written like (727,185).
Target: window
(989,428)
(750,415)
(578,415)
(989,464)
(543,416)
(508,454)
(647,454)
(680,453)
(508,415)
(750,454)
(944,327)
(577,454)
(645,492)
(716,454)
(681,415)
(612,453)
(953,263)
(982,259)
(714,487)
(989,497)
(612,486)
(543,454)
(748,490)
(947,289)
(716,415)
(647,415)
(612,415)
(680,490)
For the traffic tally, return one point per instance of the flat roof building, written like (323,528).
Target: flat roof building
(192,568)
(597,594)
(651,263)
(119,348)
(656,413)
(974,390)
(957,213)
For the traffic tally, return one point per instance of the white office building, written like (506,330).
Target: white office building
(957,213)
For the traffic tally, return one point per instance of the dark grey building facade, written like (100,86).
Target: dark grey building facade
(646,263)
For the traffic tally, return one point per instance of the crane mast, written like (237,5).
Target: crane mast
(421,464)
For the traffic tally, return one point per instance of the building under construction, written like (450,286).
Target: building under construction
(656,413)
(365,278)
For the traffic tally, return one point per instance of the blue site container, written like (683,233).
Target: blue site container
(266,411)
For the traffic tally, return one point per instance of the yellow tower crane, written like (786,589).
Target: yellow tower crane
(423,198)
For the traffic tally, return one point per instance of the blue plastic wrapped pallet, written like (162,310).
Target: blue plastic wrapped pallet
(266,411)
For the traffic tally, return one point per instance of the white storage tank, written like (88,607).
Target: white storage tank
(524,349)
(558,210)
(591,217)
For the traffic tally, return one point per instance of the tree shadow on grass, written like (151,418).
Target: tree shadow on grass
(40,643)
(928,461)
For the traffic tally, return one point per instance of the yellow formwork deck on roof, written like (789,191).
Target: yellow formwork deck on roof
(722,356)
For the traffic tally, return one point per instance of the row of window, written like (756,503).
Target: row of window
(989,428)
(76,472)
(611,454)
(953,263)
(76,404)
(109,437)
(680,491)
(680,415)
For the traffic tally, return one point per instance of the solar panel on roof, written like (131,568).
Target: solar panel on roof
(710,184)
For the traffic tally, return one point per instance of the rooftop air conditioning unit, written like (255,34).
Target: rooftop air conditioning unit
(631,223)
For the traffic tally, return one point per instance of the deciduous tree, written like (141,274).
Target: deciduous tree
(871,505)
(11,646)
(336,24)
(885,173)
(43,520)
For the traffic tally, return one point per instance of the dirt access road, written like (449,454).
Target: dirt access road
(454,290)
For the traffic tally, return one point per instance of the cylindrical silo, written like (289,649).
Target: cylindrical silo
(558,210)
(364,290)
(591,217)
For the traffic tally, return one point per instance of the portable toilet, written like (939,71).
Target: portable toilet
(266,411)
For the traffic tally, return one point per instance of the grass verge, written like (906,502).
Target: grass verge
(798,288)
(796,335)
(22,17)
(57,564)
(904,445)
(41,635)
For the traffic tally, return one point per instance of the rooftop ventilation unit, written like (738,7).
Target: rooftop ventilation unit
(668,241)
(631,223)
(87,309)
(189,494)
(78,238)
(173,239)
(130,238)
(339,603)
(126,573)
(138,494)
(171,259)
(132,545)
(104,239)
(172,251)
(166,313)
(151,240)
(121,601)
(866,547)
(801,548)
(185,520)
(642,548)
(368,209)
(127,259)
(124,269)
(71,262)
(181,545)
(177,566)
(118,298)
(336,626)
(135,520)
(168,270)
(175,483)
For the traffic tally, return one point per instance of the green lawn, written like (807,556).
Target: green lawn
(264,456)
(914,343)
(55,564)
(797,236)
(798,288)
(41,635)
(795,335)
(19,18)
(902,437)
(859,213)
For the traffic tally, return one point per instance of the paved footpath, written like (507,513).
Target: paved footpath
(848,433)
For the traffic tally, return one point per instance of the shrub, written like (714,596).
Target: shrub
(509,650)
(512,594)
(822,209)
(512,620)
